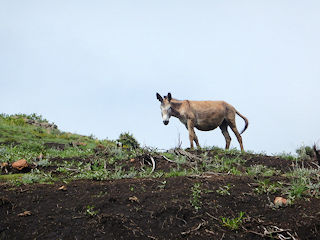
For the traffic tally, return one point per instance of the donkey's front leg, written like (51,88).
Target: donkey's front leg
(192,134)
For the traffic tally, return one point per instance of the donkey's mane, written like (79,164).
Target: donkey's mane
(175,103)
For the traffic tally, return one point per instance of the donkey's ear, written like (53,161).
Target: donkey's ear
(159,97)
(169,97)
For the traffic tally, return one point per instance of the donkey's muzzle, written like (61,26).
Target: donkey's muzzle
(165,122)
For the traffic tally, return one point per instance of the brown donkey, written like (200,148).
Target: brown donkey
(203,115)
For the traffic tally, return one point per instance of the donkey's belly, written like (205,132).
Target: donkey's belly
(205,128)
(206,125)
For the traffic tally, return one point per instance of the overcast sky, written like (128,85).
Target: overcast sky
(94,67)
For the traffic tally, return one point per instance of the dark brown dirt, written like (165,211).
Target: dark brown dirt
(157,208)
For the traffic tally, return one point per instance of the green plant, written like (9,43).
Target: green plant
(233,223)
(262,170)
(128,141)
(69,152)
(233,151)
(36,176)
(119,173)
(304,173)
(224,190)
(162,185)
(297,189)
(195,199)
(94,175)
(90,211)
(235,171)
(265,186)
(43,163)
(116,154)
(305,152)
(286,156)
(304,183)
(225,164)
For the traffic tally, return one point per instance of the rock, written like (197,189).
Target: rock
(62,188)
(280,201)
(20,164)
(24,214)
(4,166)
(77,144)
(54,145)
(133,199)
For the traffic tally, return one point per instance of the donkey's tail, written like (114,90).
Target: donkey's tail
(245,120)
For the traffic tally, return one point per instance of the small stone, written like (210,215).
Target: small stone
(280,201)
(133,199)
(24,214)
(63,188)
(4,164)
(20,164)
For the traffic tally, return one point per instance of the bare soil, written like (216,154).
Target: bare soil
(155,208)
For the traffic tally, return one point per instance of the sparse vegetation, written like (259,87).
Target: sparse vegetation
(90,211)
(233,223)
(35,176)
(128,141)
(195,199)
(261,170)
(265,186)
(224,190)
(305,153)
(187,189)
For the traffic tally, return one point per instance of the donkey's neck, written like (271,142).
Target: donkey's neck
(176,107)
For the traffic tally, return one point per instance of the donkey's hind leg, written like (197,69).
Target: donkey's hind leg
(233,126)
(224,130)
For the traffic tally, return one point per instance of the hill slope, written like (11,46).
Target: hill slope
(78,187)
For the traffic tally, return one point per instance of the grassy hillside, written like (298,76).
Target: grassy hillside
(114,189)
(20,139)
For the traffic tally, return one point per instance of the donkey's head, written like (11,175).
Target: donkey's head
(165,107)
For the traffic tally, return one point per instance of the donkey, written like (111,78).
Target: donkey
(203,115)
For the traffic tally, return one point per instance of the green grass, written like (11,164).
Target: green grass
(195,198)
(224,190)
(90,210)
(304,183)
(11,177)
(261,170)
(35,176)
(286,156)
(233,223)
(224,164)
(266,186)
(21,140)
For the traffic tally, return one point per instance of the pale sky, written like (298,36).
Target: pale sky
(94,67)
